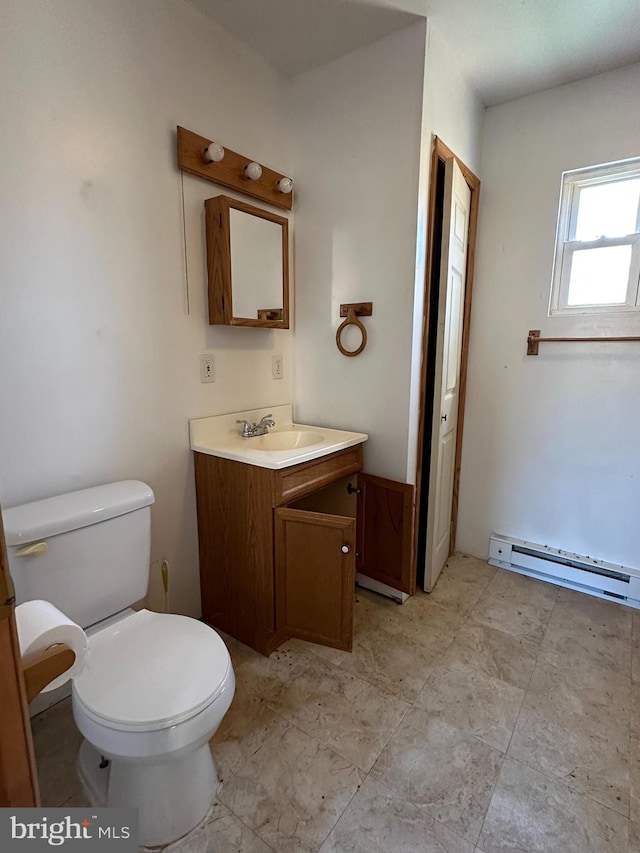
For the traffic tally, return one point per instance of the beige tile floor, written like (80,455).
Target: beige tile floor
(498,714)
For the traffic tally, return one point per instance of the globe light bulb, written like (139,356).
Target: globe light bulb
(253,171)
(285,185)
(213,153)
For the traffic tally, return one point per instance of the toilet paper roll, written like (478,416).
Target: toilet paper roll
(40,626)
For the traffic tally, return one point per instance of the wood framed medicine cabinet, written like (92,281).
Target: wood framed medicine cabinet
(247,265)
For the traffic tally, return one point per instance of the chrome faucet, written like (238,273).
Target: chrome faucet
(250,430)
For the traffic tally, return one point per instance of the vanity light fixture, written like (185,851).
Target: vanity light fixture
(285,185)
(208,159)
(253,171)
(213,153)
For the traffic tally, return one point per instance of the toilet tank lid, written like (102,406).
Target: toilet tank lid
(62,513)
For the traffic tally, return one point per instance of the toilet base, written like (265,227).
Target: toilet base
(172,796)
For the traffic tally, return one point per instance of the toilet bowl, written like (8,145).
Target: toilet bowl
(155,686)
(154,690)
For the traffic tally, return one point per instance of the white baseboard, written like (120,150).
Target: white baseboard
(381,588)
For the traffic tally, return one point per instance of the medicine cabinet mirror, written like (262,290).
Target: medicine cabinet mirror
(247,265)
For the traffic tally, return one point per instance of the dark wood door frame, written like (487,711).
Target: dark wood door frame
(440,154)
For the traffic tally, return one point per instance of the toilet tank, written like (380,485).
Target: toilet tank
(86,552)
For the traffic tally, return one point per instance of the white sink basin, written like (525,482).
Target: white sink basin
(284,445)
(288,439)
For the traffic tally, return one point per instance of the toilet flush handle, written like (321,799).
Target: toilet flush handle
(32,550)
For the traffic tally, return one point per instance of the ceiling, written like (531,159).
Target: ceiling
(297,35)
(507,48)
(511,48)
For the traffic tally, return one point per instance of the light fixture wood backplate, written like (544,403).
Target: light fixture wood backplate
(229,172)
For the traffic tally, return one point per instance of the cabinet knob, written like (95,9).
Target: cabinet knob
(345,549)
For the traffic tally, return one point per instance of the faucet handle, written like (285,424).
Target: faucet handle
(248,426)
(268,417)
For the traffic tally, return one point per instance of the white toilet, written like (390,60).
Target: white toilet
(155,686)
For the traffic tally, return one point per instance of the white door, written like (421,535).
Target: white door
(455,227)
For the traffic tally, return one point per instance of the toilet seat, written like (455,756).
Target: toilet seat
(151,671)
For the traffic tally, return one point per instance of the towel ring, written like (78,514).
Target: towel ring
(352,320)
(352,311)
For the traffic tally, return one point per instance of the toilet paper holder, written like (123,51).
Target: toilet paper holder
(41,668)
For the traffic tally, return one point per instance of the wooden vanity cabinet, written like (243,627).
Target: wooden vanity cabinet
(273,566)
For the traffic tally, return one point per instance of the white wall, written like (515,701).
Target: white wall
(99,356)
(364,128)
(454,113)
(358,152)
(551,443)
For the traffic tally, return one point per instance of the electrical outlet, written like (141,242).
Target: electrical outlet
(277,369)
(207,368)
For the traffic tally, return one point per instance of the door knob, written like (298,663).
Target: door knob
(345,549)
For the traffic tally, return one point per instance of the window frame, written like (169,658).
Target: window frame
(573,182)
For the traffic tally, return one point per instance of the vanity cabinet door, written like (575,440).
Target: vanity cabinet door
(385,532)
(315,576)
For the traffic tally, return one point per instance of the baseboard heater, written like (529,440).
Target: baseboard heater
(595,577)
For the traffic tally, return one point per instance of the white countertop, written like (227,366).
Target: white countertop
(220,436)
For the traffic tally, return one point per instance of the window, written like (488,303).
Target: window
(597,260)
